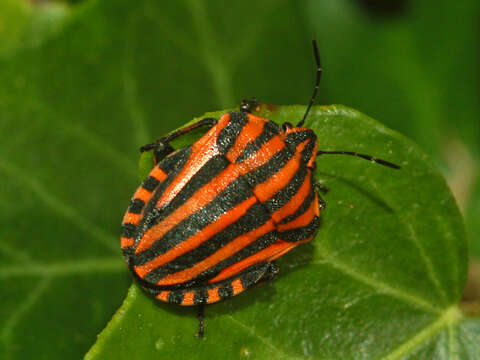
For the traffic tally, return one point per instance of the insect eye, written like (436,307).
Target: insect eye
(247,105)
(244,106)
(286,126)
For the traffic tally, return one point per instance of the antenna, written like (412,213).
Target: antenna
(312,100)
(317,82)
(363,156)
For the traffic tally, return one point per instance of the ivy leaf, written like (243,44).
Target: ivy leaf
(382,279)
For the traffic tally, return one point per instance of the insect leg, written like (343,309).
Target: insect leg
(270,272)
(201,322)
(321,189)
(162,147)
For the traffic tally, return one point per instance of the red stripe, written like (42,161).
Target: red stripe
(125,242)
(202,151)
(208,192)
(303,220)
(252,129)
(196,240)
(296,201)
(226,251)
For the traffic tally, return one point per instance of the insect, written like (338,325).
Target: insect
(211,218)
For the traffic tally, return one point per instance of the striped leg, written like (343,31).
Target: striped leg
(162,147)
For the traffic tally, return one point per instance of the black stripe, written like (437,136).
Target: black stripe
(227,137)
(234,193)
(301,209)
(172,165)
(128,230)
(200,281)
(298,137)
(208,172)
(136,206)
(261,243)
(175,160)
(301,233)
(127,251)
(293,139)
(255,217)
(284,195)
(270,168)
(225,291)
(307,152)
(269,131)
(201,296)
(175,296)
(150,183)
(250,276)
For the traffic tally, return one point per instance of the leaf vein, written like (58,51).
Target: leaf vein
(378,285)
(58,206)
(279,353)
(427,260)
(121,161)
(412,236)
(210,53)
(450,317)
(14,253)
(64,268)
(21,310)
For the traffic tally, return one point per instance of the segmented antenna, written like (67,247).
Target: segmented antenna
(317,82)
(363,156)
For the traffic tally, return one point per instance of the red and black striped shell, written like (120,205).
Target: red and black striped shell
(210,218)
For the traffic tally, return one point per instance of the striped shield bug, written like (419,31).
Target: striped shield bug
(210,219)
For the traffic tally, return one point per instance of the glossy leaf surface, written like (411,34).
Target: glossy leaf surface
(381,279)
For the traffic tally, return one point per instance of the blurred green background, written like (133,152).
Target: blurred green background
(84,83)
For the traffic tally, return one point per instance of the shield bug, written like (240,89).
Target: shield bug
(211,218)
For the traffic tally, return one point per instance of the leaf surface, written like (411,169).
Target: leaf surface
(381,280)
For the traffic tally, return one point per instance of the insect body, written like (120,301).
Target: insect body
(211,218)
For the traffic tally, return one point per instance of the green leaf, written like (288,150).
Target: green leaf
(399,69)
(13,20)
(382,279)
